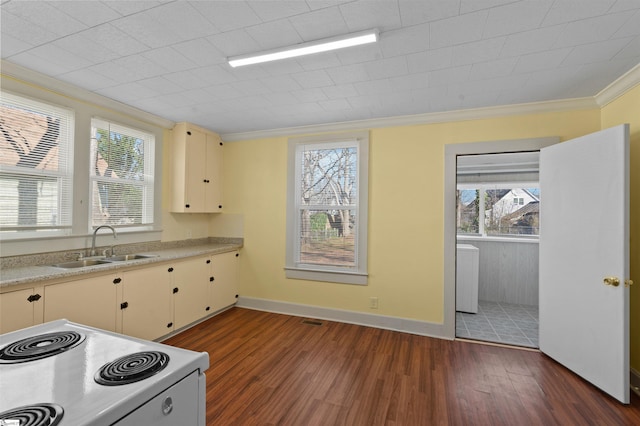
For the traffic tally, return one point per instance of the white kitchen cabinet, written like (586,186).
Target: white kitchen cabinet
(17,309)
(89,301)
(223,287)
(147,302)
(190,287)
(196,170)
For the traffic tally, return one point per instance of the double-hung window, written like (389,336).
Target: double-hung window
(36,167)
(121,175)
(327,208)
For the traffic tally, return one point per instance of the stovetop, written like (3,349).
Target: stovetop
(70,378)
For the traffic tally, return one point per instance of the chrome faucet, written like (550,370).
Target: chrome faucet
(93,241)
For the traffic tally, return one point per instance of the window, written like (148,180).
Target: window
(498,210)
(36,167)
(327,208)
(122,175)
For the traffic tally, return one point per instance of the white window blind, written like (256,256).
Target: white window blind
(36,165)
(122,175)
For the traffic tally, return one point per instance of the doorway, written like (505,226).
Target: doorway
(452,152)
(497,228)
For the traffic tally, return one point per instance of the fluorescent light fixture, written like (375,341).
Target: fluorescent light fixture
(325,45)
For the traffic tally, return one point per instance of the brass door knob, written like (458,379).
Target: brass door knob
(628,283)
(612,281)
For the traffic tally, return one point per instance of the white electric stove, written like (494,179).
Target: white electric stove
(66,374)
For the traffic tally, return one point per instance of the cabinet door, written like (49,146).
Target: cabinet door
(16,310)
(89,301)
(224,286)
(190,290)
(213,196)
(196,166)
(147,311)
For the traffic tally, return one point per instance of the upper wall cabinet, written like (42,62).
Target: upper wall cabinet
(196,165)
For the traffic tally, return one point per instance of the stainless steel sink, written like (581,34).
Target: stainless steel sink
(80,263)
(125,257)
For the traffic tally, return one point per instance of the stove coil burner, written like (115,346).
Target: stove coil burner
(131,368)
(40,346)
(34,415)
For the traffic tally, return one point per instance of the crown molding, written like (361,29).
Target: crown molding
(418,119)
(33,78)
(619,87)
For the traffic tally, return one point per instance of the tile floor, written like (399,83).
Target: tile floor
(501,323)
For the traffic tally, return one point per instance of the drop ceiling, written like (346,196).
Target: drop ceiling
(168,58)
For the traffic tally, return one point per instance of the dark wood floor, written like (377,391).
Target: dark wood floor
(270,369)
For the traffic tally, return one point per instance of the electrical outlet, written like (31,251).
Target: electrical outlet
(373,302)
(188,234)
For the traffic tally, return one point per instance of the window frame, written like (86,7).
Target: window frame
(345,275)
(65,179)
(148,184)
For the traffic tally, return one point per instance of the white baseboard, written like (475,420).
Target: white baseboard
(635,381)
(422,328)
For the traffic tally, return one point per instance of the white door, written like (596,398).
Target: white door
(584,241)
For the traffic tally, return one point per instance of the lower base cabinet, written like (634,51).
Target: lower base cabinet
(146,306)
(223,291)
(88,301)
(17,309)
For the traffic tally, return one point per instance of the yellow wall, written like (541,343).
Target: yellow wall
(626,109)
(405,212)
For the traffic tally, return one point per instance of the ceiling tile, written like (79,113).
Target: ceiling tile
(430,60)
(129,7)
(23,30)
(183,20)
(89,13)
(320,24)
(312,79)
(467,6)
(541,61)
(574,10)
(275,34)
(348,74)
(146,30)
(280,83)
(110,37)
(458,30)
(367,14)
(516,17)
(414,12)
(169,59)
(45,16)
(227,15)
(384,68)
(488,70)
(591,30)
(340,91)
(200,52)
(268,10)
(405,40)
(10,45)
(595,52)
(447,76)
(234,43)
(522,43)
(478,51)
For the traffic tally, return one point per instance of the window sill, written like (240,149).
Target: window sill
(341,277)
